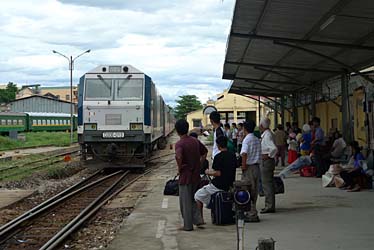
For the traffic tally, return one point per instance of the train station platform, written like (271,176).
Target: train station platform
(308,217)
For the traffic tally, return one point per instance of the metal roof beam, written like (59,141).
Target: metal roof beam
(345,66)
(264,103)
(242,91)
(285,67)
(269,81)
(280,74)
(302,41)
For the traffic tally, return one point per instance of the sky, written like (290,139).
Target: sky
(180,44)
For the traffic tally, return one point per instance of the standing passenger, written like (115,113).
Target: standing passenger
(215,119)
(268,150)
(240,137)
(228,132)
(280,142)
(189,154)
(235,136)
(251,158)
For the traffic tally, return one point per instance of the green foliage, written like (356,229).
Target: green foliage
(186,104)
(8,94)
(59,139)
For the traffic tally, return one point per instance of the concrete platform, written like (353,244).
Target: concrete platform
(8,197)
(308,217)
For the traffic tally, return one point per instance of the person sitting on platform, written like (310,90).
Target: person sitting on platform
(224,169)
(356,169)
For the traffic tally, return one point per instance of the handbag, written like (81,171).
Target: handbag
(172,187)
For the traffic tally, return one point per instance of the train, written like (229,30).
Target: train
(121,115)
(34,121)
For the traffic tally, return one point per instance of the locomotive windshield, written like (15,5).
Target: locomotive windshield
(129,89)
(98,89)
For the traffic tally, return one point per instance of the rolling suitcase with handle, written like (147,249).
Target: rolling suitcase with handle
(222,208)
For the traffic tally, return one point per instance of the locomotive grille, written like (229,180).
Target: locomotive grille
(113,119)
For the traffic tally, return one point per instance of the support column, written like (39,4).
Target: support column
(313,105)
(275,113)
(283,103)
(346,123)
(294,109)
(259,110)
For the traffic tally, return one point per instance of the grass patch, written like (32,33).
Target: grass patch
(33,139)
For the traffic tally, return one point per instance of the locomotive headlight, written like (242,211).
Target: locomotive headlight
(90,126)
(136,126)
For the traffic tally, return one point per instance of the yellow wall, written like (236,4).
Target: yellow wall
(198,114)
(359,117)
(228,103)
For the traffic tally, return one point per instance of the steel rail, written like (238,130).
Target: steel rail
(45,203)
(11,229)
(91,206)
(79,223)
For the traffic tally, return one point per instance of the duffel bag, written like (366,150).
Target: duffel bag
(172,187)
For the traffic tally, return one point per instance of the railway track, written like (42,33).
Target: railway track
(36,164)
(50,223)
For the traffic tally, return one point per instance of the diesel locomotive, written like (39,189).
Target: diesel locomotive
(121,115)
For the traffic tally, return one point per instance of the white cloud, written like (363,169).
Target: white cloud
(180,44)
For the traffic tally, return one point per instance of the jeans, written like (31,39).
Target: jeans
(296,165)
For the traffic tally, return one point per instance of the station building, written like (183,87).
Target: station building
(232,108)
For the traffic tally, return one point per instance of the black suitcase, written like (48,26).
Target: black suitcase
(222,208)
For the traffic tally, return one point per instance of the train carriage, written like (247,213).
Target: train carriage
(50,121)
(121,115)
(11,121)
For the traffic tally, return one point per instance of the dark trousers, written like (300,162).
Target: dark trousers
(349,176)
(321,163)
(235,142)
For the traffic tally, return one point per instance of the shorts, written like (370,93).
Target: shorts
(204,194)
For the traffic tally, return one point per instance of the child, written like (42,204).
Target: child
(292,148)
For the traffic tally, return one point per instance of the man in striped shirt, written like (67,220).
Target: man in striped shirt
(251,158)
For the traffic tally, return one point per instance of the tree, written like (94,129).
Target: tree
(9,93)
(186,104)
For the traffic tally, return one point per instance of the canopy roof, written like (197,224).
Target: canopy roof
(279,47)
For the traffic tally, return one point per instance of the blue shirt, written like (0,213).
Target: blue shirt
(357,160)
(307,139)
(320,137)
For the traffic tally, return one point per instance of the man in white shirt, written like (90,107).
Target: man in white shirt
(215,120)
(268,151)
(251,158)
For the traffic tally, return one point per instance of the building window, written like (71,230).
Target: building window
(67,97)
(196,123)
